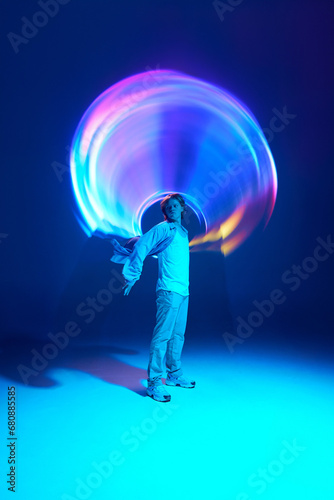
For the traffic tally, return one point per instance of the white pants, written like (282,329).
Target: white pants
(168,335)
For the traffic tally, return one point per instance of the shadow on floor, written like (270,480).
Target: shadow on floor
(28,362)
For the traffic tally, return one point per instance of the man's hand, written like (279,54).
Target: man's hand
(127,287)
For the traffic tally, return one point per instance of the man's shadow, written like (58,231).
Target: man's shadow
(24,361)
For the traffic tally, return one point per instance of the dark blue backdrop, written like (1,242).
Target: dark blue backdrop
(275,56)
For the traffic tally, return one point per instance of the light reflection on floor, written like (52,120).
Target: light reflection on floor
(254,427)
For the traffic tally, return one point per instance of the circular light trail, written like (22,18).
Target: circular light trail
(163,131)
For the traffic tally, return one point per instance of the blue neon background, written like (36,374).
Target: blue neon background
(277,385)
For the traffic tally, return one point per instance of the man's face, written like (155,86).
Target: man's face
(173,210)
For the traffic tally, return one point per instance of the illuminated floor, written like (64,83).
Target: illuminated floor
(254,427)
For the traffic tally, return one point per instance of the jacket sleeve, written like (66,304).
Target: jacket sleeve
(134,264)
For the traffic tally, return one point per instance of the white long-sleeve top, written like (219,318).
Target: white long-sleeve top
(173,262)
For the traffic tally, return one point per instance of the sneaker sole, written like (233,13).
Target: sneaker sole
(166,400)
(179,385)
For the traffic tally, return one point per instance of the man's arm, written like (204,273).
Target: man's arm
(133,267)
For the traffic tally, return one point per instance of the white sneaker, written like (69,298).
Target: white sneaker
(158,393)
(180,381)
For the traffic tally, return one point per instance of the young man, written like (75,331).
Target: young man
(169,240)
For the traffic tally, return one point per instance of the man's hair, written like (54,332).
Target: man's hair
(175,196)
